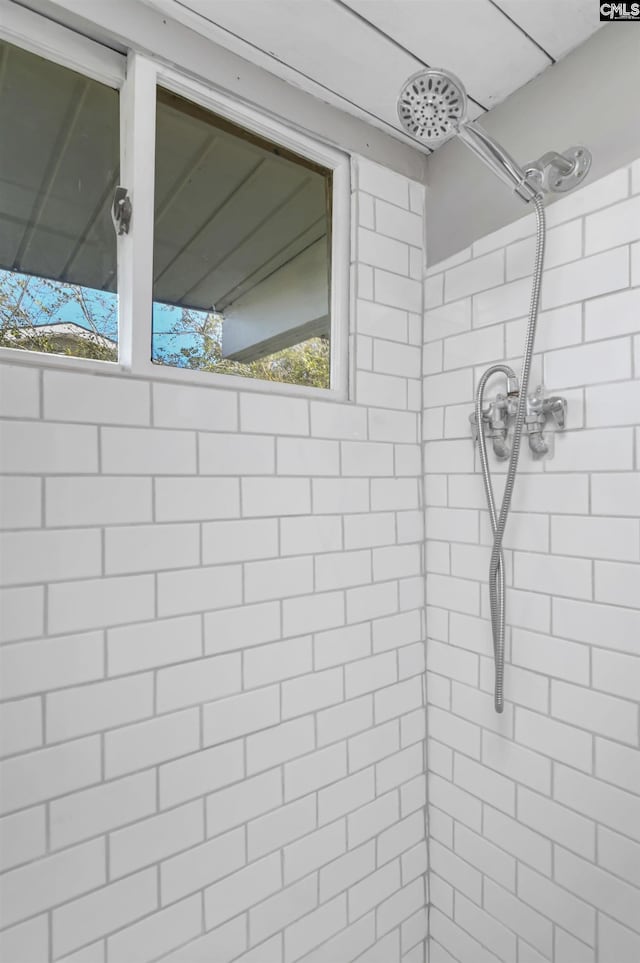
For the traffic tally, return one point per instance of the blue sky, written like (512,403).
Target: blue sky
(48,302)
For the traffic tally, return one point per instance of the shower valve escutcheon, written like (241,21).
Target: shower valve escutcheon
(543,411)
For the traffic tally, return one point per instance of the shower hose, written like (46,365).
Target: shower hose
(498,522)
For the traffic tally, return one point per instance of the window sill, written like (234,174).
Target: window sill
(158,372)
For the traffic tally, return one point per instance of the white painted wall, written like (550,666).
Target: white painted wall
(535,814)
(213,651)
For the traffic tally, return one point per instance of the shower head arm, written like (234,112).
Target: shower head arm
(432,107)
(552,173)
(498,160)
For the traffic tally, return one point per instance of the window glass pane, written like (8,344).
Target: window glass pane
(241,251)
(59,162)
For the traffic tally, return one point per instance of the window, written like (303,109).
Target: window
(236,258)
(59,163)
(242,241)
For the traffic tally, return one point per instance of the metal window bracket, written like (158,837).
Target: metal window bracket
(121,211)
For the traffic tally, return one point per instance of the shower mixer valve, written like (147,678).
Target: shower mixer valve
(499,413)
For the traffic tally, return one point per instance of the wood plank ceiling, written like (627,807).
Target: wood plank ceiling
(356,54)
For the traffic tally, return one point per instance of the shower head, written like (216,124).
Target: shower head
(432,105)
(432,108)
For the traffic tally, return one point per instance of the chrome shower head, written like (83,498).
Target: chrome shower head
(432,108)
(432,105)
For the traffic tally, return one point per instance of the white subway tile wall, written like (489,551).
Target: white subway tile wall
(212,617)
(535,815)
(213,639)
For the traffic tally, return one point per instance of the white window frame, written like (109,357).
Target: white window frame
(47,39)
(137,76)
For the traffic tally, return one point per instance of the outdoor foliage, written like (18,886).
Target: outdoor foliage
(190,339)
(27,303)
(195,341)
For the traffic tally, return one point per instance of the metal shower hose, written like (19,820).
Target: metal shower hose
(498,523)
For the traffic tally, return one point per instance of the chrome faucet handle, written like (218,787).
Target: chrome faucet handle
(498,419)
(557,407)
(554,405)
(494,417)
(535,401)
(539,409)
